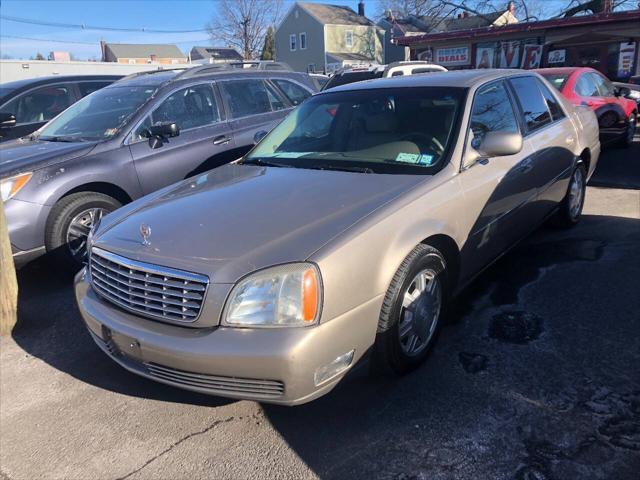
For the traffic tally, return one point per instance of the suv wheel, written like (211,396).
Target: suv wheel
(70,222)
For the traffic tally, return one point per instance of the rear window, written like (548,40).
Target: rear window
(250,97)
(351,77)
(295,93)
(558,80)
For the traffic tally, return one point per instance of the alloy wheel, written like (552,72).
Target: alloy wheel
(420,312)
(79,229)
(576,193)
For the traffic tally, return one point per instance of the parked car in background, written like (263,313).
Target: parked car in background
(129,139)
(26,105)
(631,90)
(369,72)
(635,80)
(319,79)
(617,115)
(345,230)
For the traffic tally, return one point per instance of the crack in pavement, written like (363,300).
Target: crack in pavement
(175,444)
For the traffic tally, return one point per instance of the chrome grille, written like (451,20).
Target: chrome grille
(149,290)
(217,384)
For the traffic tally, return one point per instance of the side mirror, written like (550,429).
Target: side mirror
(164,130)
(500,144)
(259,136)
(7,120)
(492,144)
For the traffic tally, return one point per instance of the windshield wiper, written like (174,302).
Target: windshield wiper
(340,168)
(262,163)
(56,139)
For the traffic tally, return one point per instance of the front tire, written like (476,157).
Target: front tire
(630,132)
(570,209)
(69,224)
(411,312)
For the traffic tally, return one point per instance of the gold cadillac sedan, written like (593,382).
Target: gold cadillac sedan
(344,231)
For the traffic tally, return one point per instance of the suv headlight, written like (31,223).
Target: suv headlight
(12,185)
(283,296)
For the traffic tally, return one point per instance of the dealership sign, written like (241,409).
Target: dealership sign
(510,54)
(484,57)
(625,59)
(452,56)
(531,56)
(557,56)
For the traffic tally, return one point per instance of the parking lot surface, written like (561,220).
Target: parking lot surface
(535,376)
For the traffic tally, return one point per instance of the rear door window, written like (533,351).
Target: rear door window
(249,97)
(552,102)
(295,93)
(40,104)
(533,105)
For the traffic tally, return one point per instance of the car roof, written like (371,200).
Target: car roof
(162,77)
(562,70)
(33,82)
(459,78)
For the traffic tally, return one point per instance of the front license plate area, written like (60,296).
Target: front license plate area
(122,344)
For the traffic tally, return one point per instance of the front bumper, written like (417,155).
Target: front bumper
(274,365)
(26,223)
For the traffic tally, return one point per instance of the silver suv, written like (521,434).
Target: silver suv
(129,139)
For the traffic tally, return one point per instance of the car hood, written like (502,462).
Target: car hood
(238,218)
(22,155)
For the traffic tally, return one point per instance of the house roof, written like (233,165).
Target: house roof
(335,14)
(216,53)
(144,50)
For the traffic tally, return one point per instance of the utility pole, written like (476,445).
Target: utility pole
(8,282)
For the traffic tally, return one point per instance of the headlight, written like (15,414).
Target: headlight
(12,185)
(284,296)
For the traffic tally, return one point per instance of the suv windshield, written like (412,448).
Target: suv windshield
(97,116)
(402,130)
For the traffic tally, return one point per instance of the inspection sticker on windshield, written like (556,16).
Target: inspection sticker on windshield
(425,159)
(408,157)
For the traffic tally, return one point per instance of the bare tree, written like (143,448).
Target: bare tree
(243,24)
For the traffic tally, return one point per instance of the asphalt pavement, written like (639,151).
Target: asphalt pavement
(535,376)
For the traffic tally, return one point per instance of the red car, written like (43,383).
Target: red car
(617,116)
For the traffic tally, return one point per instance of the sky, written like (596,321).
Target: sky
(155,14)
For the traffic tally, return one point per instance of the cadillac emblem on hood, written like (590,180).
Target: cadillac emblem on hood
(145,231)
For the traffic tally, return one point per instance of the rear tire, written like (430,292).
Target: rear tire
(570,209)
(69,223)
(411,312)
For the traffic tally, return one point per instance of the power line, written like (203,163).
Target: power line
(96,43)
(49,40)
(31,21)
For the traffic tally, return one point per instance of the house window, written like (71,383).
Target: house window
(311,68)
(292,42)
(303,41)
(348,38)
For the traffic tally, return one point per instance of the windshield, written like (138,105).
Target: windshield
(351,77)
(97,116)
(403,130)
(556,79)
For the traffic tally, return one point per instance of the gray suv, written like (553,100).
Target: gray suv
(131,138)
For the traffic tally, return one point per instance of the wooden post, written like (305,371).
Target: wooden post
(8,282)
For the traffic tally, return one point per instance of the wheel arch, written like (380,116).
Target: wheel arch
(448,247)
(105,188)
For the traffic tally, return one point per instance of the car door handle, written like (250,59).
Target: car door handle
(221,140)
(569,140)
